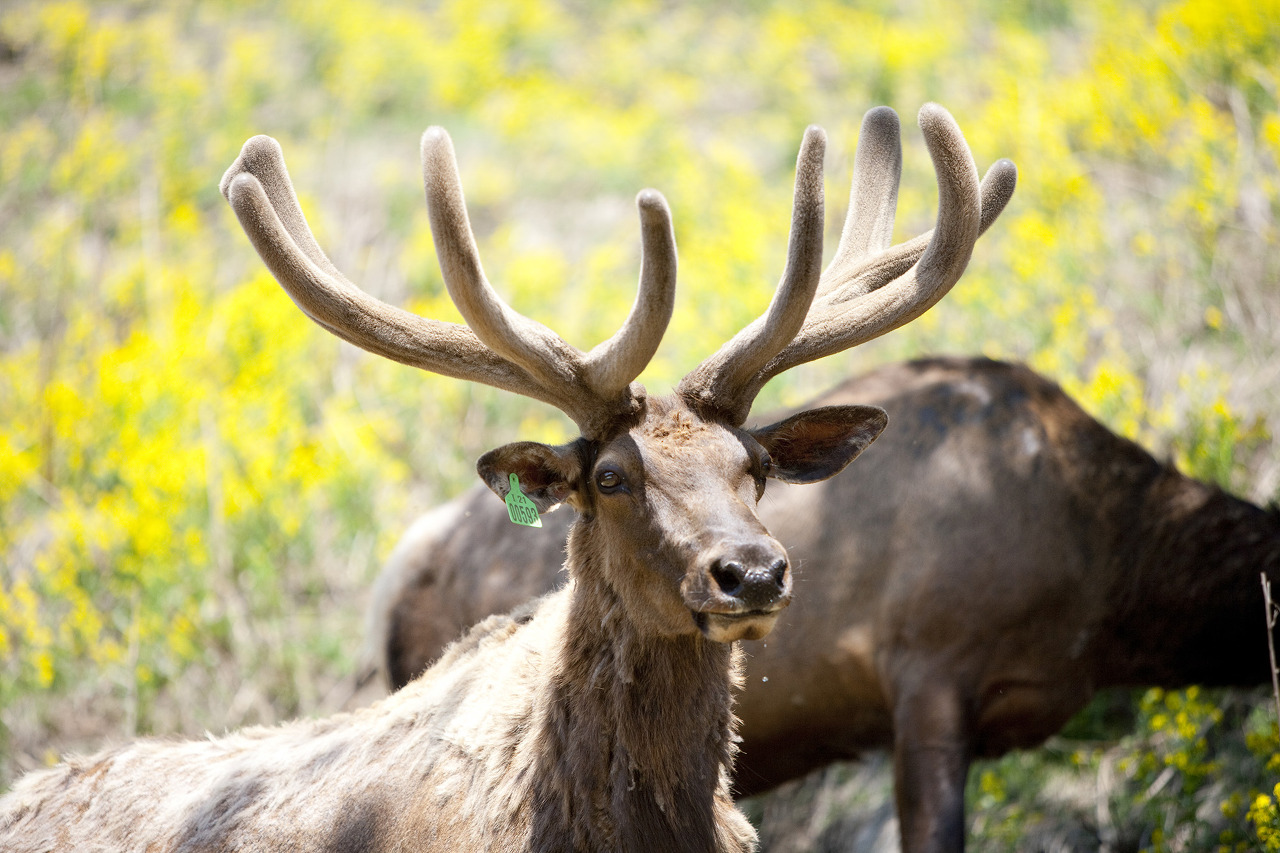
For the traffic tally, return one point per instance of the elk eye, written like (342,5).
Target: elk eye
(608,480)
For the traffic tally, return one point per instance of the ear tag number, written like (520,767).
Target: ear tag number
(520,509)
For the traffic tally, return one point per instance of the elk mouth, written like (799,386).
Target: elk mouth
(725,627)
(739,594)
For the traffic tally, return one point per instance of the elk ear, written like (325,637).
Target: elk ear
(818,443)
(548,475)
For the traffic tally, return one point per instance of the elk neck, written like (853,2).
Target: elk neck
(660,787)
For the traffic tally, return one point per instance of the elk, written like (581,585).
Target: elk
(602,717)
(997,557)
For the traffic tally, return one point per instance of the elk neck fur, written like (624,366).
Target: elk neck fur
(648,787)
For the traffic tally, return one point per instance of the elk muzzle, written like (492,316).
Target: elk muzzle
(738,589)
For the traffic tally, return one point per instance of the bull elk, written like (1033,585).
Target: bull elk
(601,719)
(997,557)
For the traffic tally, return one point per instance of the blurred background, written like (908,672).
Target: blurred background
(197,484)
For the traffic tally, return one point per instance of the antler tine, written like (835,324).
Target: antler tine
(873,195)
(717,384)
(849,277)
(612,364)
(257,186)
(594,384)
(997,188)
(888,292)
(262,158)
(510,334)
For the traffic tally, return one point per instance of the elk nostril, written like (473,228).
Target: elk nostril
(779,570)
(728,576)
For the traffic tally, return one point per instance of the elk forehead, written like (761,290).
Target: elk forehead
(685,457)
(682,473)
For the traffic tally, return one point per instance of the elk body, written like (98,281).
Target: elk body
(995,558)
(601,718)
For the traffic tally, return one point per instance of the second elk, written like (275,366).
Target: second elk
(601,719)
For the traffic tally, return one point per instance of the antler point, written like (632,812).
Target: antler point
(650,200)
(931,114)
(238,183)
(882,118)
(435,139)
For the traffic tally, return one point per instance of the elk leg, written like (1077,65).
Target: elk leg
(930,763)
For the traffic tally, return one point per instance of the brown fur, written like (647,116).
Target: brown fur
(996,558)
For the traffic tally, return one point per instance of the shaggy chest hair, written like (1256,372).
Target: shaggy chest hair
(639,728)
(624,742)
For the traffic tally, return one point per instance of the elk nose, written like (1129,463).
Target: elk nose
(758,583)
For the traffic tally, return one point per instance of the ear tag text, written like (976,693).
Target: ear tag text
(520,509)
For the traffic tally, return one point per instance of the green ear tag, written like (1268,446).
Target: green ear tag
(519,508)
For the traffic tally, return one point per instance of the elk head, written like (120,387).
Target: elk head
(666,487)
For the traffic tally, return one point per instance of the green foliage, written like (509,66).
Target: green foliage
(197,485)
(1191,772)
(1263,741)
(1265,816)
